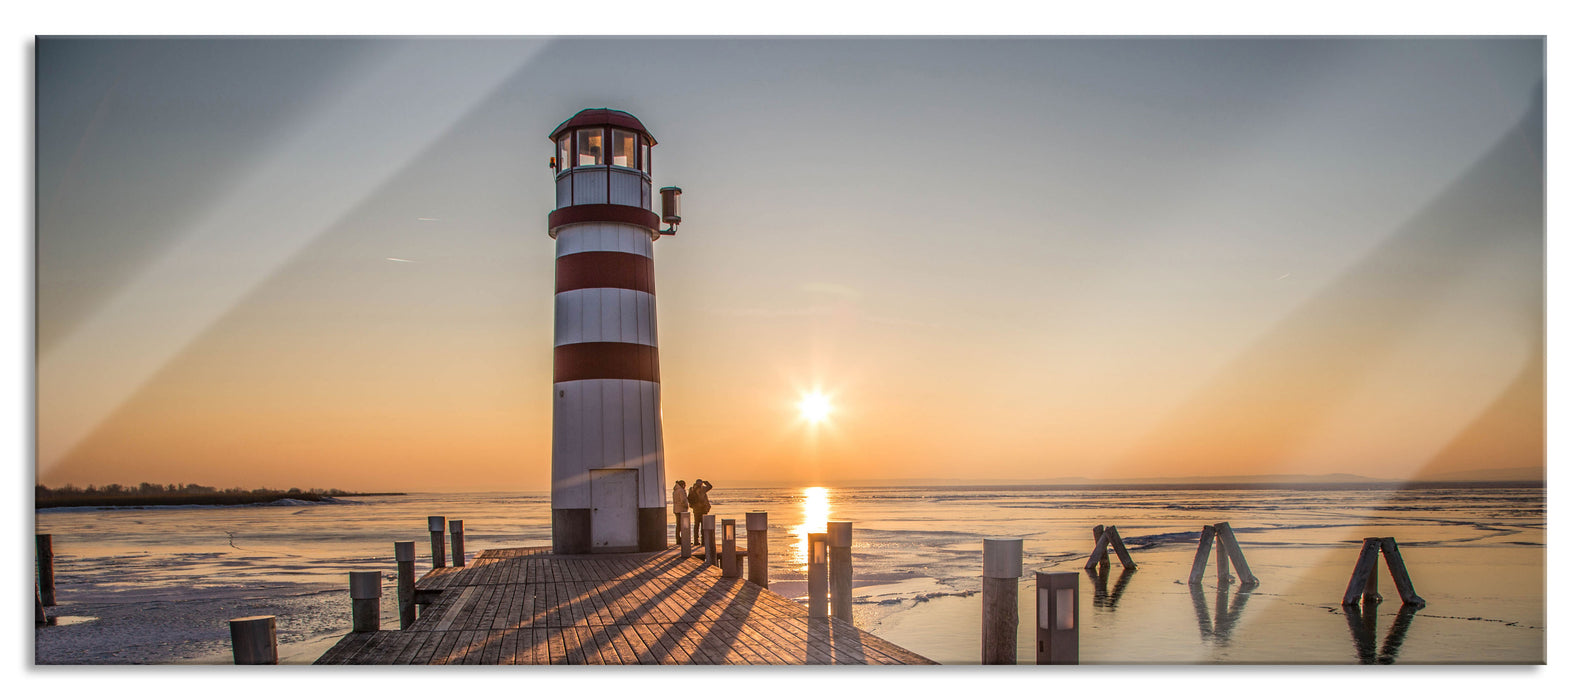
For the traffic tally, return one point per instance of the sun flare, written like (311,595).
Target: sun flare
(814,407)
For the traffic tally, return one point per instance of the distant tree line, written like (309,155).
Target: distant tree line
(170,494)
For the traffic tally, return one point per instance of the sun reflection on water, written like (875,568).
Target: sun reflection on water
(815,517)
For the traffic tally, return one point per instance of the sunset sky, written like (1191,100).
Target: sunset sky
(323,262)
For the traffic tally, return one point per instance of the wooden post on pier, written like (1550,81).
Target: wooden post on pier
(406,582)
(684,531)
(458,548)
(1104,540)
(44,550)
(710,555)
(436,539)
(1365,577)
(1002,569)
(838,533)
(1057,618)
(730,564)
(253,641)
(758,547)
(39,616)
(365,600)
(817,576)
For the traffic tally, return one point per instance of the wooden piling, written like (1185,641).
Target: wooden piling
(1057,640)
(1370,592)
(44,550)
(817,575)
(366,589)
(1222,565)
(710,554)
(436,539)
(838,533)
(730,564)
(253,641)
(1002,569)
(1403,582)
(458,547)
(39,616)
(1121,554)
(1101,548)
(406,582)
(1104,554)
(1105,538)
(758,547)
(684,530)
(1205,543)
(1227,542)
(1367,561)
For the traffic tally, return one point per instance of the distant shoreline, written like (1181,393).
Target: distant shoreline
(1251,486)
(189,499)
(1168,486)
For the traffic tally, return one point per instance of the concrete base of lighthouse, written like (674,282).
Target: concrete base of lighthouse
(572,530)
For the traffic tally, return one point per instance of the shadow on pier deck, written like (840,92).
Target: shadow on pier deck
(527,606)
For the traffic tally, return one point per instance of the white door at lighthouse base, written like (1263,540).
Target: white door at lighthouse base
(614,509)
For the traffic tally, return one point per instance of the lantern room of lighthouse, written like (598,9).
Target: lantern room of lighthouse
(608,490)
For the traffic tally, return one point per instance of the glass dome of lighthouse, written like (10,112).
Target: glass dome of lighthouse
(603,156)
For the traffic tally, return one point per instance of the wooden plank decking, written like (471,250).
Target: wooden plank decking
(527,606)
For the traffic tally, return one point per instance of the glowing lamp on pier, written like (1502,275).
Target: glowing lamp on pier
(608,489)
(1057,618)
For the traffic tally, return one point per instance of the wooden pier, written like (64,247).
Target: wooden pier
(528,606)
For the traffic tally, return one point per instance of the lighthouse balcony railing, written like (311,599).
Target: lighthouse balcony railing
(603,185)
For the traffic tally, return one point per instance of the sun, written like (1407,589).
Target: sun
(814,407)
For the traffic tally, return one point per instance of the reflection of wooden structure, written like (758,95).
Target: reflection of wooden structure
(1228,549)
(1365,577)
(528,606)
(1226,614)
(1364,623)
(1103,595)
(1103,539)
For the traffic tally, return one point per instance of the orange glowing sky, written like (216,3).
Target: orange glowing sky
(324,264)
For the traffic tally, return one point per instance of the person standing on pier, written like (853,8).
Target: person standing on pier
(678,505)
(698,498)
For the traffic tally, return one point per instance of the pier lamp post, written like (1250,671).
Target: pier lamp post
(817,576)
(1057,618)
(730,566)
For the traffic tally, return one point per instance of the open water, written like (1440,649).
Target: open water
(156,585)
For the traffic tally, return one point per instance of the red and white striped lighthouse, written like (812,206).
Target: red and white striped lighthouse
(608,491)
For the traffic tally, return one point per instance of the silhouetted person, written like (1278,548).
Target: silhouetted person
(698,498)
(678,504)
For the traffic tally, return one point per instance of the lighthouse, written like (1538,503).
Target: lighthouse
(608,491)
